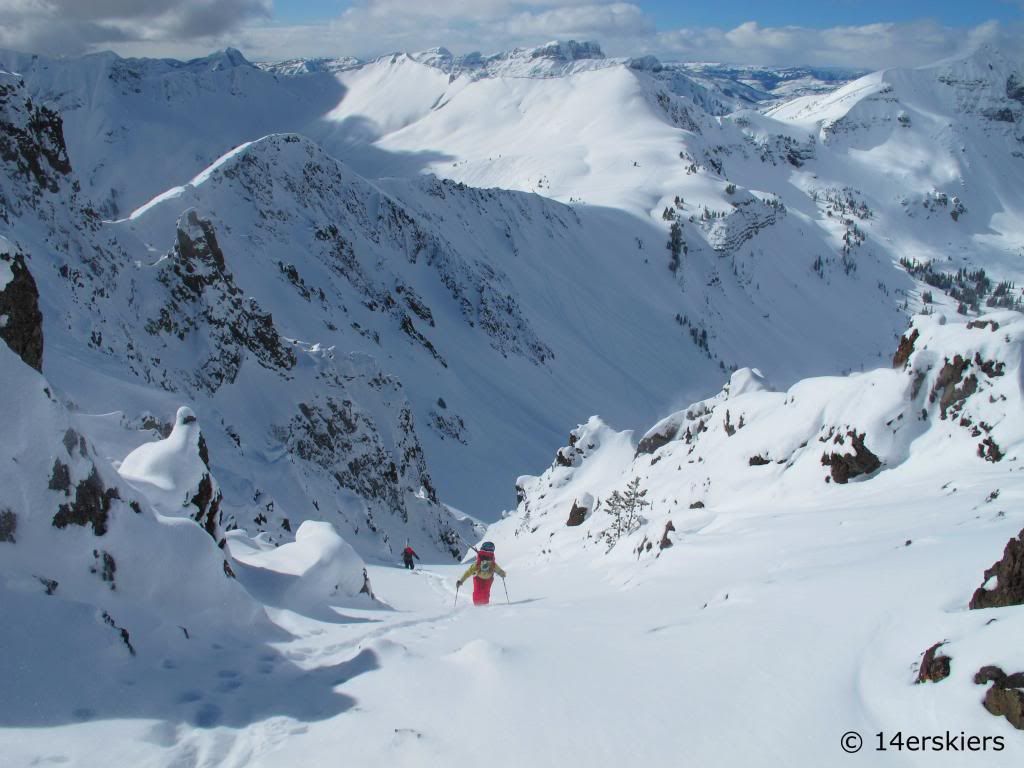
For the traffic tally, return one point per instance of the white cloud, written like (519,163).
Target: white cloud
(72,26)
(869,46)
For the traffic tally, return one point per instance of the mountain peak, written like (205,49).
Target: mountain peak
(567,50)
(228,58)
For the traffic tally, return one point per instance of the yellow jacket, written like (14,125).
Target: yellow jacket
(474,570)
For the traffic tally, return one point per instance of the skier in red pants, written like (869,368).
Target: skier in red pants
(483,571)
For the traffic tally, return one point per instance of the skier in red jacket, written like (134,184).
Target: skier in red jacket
(407,555)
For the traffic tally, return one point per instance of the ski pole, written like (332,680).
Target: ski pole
(506,590)
(457,585)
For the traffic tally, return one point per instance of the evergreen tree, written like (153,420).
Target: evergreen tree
(675,244)
(625,508)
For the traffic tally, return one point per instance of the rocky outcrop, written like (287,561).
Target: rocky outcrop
(846,466)
(934,665)
(951,388)
(580,509)
(1008,587)
(657,438)
(666,542)
(204,299)
(1005,698)
(90,506)
(21,322)
(8,526)
(906,349)
(749,216)
(31,137)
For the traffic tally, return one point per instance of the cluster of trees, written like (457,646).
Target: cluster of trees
(970,288)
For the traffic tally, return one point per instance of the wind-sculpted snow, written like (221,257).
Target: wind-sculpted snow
(87,563)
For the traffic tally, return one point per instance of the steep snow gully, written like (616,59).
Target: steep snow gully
(236,381)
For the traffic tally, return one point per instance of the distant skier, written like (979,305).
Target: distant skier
(407,555)
(483,571)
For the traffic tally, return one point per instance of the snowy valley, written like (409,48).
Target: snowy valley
(266,325)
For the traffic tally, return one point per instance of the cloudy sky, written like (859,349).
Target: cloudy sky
(857,33)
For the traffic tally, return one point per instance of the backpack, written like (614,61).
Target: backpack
(485,564)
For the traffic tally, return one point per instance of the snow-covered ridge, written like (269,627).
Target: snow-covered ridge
(952,400)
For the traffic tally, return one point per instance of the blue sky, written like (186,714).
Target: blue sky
(862,34)
(730,13)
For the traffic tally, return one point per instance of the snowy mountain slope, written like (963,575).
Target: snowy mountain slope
(134,332)
(771,615)
(566,122)
(161,118)
(950,404)
(764,87)
(86,557)
(424,277)
(937,152)
(450,277)
(115,612)
(636,138)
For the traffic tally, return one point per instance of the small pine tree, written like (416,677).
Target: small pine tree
(675,245)
(625,508)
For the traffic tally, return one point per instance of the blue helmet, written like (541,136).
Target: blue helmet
(487,546)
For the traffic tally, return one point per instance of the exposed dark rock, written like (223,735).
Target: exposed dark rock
(32,138)
(697,505)
(205,298)
(988,449)
(758,461)
(730,430)
(950,375)
(60,477)
(992,324)
(125,637)
(207,502)
(666,542)
(204,450)
(1015,88)
(410,330)
(577,514)
(989,674)
(934,666)
(162,428)
(105,567)
(21,322)
(653,442)
(990,368)
(50,585)
(1009,573)
(72,441)
(90,507)
(1005,698)
(905,349)
(450,426)
(8,525)
(846,466)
